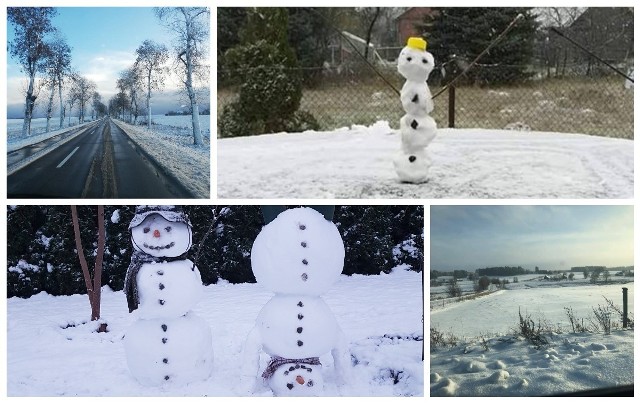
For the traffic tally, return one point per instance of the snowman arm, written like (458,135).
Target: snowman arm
(341,358)
(251,358)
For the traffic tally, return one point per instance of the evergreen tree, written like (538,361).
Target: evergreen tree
(230,21)
(367,235)
(117,255)
(269,79)
(309,36)
(457,35)
(233,242)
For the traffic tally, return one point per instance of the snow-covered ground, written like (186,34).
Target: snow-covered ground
(173,149)
(357,162)
(512,366)
(380,315)
(38,126)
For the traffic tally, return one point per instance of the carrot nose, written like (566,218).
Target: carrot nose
(300,380)
(156,233)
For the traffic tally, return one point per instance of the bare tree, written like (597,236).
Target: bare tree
(131,81)
(58,64)
(150,61)
(93,287)
(370,16)
(82,90)
(96,101)
(31,25)
(191,26)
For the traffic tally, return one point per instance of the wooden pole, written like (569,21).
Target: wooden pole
(625,312)
(452,106)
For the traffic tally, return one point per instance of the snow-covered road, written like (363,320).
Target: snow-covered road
(466,163)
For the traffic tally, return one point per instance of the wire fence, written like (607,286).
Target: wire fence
(597,105)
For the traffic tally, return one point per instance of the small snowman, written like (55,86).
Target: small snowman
(417,128)
(298,256)
(168,344)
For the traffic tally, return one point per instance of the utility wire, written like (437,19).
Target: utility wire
(491,45)
(557,32)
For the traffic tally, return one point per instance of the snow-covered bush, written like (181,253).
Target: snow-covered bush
(269,80)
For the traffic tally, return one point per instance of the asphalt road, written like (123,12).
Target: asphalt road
(101,162)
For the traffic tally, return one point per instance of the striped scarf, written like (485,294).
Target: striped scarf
(276,362)
(139,258)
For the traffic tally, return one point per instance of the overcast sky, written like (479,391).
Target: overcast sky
(551,237)
(103,42)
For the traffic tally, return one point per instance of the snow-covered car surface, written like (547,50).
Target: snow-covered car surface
(356,162)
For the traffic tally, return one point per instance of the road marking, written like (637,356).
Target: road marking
(68,156)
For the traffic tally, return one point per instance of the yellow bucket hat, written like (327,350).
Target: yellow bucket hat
(417,43)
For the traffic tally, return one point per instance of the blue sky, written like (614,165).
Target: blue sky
(103,42)
(551,237)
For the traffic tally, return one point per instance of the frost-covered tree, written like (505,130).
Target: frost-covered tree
(58,66)
(131,81)
(191,27)
(31,25)
(151,58)
(82,90)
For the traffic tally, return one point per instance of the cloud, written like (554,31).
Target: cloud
(559,236)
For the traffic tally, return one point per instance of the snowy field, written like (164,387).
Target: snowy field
(15,139)
(182,121)
(175,152)
(511,366)
(381,316)
(38,125)
(356,162)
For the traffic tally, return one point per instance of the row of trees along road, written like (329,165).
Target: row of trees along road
(190,26)
(45,57)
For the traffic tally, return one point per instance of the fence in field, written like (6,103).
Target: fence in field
(597,105)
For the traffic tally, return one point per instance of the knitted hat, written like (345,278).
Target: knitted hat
(170,213)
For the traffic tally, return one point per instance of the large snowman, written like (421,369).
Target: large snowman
(298,256)
(168,344)
(417,128)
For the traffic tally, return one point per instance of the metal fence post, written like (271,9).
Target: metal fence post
(452,106)
(625,318)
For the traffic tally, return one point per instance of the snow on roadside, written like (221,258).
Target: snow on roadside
(15,142)
(356,162)
(189,164)
(513,367)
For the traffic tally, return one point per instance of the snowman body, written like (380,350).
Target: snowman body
(168,344)
(298,256)
(417,128)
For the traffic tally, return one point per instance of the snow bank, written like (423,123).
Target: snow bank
(513,367)
(189,164)
(356,162)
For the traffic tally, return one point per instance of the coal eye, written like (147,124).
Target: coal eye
(146,229)
(290,386)
(168,229)
(425,61)
(408,59)
(310,383)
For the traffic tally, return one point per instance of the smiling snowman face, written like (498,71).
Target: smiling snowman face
(297,380)
(159,237)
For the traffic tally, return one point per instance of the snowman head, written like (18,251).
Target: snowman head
(414,62)
(160,232)
(297,380)
(299,252)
